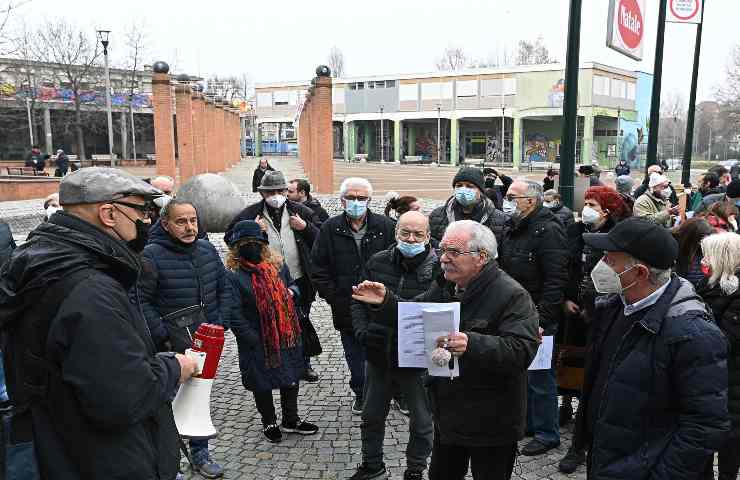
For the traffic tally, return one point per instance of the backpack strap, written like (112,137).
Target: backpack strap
(28,371)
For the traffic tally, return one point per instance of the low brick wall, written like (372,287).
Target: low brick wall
(26,188)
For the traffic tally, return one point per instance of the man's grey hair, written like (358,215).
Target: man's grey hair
(658,276)
(166,211)
(534,190)
(552,193)
(355,182)
(482,238)
(624,184)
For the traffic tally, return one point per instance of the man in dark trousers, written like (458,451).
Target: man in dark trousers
(291,229)
(535,253)
(654,400)
(345,244)
(95,400)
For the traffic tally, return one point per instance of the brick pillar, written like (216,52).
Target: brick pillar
(210,145)
(199,134)
(185,143)
(324,169)
(164,140)
(226,135)
(220,139)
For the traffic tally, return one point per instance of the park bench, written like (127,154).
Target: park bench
(25,171)
(361,157)
(151,159)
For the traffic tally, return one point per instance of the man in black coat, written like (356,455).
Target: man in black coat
(496,192)
(654,400)
(479,416)
(299,191)
(554,202)
(345,244)
(408,269)
(291,229)
(260,172)
(468,202)
(535,253)
(7,243)
(105,408)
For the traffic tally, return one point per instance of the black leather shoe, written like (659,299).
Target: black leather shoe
(310,376)
(571,460)
(538,447)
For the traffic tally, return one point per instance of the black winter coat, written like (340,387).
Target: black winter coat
(621,169)
(726,310)
(535,253)
(246,325)
(486,405)
(663,408)
(320,215)
(484,212)
(257,177)
(7,244)
(564,214)
(108,415)
(376,330)
(304,238)
(182,276)
(339,265)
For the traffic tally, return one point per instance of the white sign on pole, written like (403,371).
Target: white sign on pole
(626,27)
(684,11)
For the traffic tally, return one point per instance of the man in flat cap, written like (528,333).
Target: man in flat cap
(86,384)
(655,392)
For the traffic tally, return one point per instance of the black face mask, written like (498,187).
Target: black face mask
(251,252)
(490,182)
(138,243)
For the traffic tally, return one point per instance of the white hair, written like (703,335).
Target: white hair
(482,238)
(656,276)
(355,182)
(722,253)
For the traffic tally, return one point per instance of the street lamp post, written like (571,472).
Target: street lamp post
(103,37)
(382,138)
(619,118)
(30,123)
(439,135)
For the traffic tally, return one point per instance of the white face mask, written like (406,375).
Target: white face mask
(51,211)
(509,207)
(276,201)
(606,280)
(666,192)
(589,215)
(550,204)
(162,201)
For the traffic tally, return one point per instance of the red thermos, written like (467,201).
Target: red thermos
(209,339)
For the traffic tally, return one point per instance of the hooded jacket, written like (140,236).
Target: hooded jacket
(107,412)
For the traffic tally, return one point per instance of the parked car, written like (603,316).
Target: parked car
(674,163)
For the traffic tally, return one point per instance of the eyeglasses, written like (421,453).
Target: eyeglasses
(146,209)
(406,235)
(511,197)
(356,197)
(453,253)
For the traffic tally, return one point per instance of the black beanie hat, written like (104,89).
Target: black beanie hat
(472,175)
(733,189)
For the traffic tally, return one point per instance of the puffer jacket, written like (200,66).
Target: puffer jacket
(486,404)
(7,244)
(649,206)
(338,264)
(407,277)
(726,310)
(565,215)
(320,214)
(662,412)
(181,276)
(534,252)
(246,325)
(107,413)
(484,212)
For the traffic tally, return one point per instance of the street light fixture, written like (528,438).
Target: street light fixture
(382,138)
(103,37)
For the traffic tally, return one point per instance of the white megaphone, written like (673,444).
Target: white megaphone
(192,404)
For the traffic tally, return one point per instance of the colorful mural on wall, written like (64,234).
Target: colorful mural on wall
(58,94)
(540,148)
(635,133)
(557,94)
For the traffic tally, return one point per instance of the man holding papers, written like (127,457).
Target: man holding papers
(478,416)
(408,269)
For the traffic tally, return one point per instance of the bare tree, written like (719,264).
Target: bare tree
(336,62)
(673,123)
(75,56)
(729,91)
(136,42)
(533,53)
(7,11)
(502,57)
(229,88)
(453,59)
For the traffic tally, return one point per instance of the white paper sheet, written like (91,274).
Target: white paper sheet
(543,359)
(419,325)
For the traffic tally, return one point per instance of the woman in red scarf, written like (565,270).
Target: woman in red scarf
(267,328)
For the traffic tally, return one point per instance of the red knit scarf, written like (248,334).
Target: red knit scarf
(278,318)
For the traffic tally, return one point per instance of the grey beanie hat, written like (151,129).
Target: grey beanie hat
(102,184)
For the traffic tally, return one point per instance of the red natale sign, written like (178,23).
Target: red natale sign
(626,27)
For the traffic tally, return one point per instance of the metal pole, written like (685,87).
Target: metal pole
(673,150)
(108,106)
(503,111)
(710,143)
(382,139)
(619,118)
(30,124)
(133,133)
(686,167)
(439,137)
(652,151)
(570,106)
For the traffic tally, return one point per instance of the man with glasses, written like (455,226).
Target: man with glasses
(95,400)
(184,272)
(479,416)
(535,253)
(408,269)
(345,244)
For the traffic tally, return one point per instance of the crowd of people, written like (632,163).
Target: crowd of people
(99,304)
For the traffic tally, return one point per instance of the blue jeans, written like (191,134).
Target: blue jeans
(354,353)
(3,389)
(542,406)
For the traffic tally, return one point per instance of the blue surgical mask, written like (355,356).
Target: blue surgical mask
(465,196)
(509,207)
(356,208)
(409,250)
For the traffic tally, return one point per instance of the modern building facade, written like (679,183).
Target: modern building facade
(499,116)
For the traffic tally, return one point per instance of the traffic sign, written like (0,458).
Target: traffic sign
(684,11)
(626,27)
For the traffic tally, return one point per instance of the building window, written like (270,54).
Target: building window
(380,84)
(408,92)
(619,88)
(498,87)
(353,86)
(371,85)
(390,83)
(467,88)
(360,85)
(264,99)
(602,85)
(631,91)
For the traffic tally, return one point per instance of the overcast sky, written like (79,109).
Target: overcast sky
(286,40)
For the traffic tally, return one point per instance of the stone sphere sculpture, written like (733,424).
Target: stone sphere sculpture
(161,67)
(216,198)
(323,71)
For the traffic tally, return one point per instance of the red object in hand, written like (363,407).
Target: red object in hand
(209,339)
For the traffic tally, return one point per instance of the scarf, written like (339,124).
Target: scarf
(278,319)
